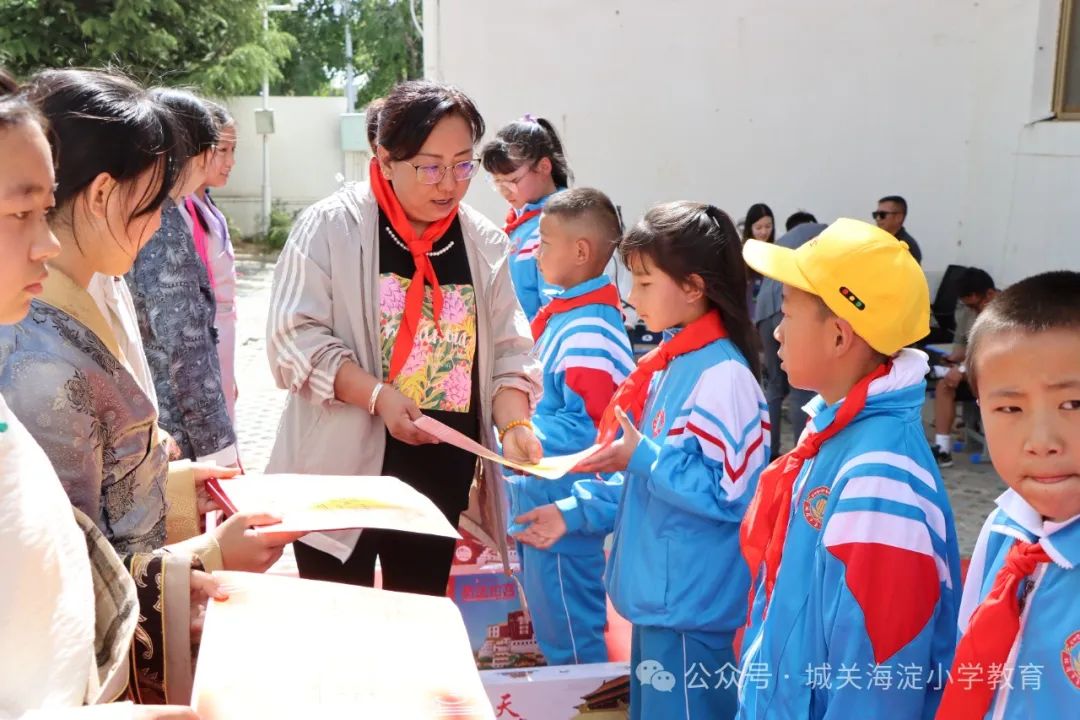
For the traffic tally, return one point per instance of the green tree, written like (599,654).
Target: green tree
(386,48)
(218,46)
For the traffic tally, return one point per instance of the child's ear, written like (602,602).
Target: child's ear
(844,336)
(544,166)
(694,287)
(582,251)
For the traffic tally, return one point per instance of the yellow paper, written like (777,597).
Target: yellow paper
(283,648)
(551,468)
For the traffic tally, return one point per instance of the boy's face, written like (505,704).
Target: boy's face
(557,256)
(1029,394)
(804,339)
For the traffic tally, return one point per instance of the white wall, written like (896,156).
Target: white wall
(825,106)
(305,156)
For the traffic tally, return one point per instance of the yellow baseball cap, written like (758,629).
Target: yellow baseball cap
(862,273)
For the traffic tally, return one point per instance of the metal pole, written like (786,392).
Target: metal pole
(350,71)
(264,224)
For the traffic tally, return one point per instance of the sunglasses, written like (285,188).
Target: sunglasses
(882,214)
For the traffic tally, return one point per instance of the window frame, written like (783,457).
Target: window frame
(1064,52)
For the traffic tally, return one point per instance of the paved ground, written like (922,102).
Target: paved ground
(972,488)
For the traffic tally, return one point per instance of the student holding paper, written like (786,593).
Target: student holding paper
(393,299)
(581,340)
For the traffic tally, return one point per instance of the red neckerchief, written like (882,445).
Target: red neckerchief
(764,527)
(606,295)
(634,391)
(419,247)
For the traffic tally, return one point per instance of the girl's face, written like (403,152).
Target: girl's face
(193,175)
(26,197)
(223,159)
(450,144)
(762,229)
(528,184)
(660,300)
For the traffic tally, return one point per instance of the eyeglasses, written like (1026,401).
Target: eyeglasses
(882,214)
(433,174)
(511,183)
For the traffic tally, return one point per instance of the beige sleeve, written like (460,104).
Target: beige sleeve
(182,513)
(303,351)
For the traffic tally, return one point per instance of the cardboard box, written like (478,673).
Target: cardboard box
(500,631)
(565,692)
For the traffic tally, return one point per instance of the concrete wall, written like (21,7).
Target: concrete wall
(824,106)
(305,156)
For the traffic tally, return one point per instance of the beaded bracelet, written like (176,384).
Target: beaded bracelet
(511,425)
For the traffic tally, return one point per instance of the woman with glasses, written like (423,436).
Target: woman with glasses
(527,167)
(391,300)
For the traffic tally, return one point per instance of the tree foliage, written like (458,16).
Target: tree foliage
(218,46)
(386,48)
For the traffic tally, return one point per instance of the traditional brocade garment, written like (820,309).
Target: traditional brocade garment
(76,626)
(80,403)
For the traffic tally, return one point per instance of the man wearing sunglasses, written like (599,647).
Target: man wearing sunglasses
(890,215)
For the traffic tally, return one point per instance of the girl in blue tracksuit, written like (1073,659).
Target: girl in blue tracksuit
(694,438)
(527,166)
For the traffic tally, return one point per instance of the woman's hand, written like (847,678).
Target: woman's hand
(244,549)
(204,472)
(546,526)
(521,445)
(172,448)
(399,414)
(204,587)
(616,456)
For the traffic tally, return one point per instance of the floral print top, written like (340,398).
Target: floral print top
(441,373)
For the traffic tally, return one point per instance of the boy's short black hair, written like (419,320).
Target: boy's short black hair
(1050,301)
(587,202)
(797,218)
(973,281)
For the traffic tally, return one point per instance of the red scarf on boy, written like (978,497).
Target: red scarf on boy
(764,528)
(990,636)
(634,391)
(607,295)
(419,247)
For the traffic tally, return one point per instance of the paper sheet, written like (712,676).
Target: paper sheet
(551,468)
(334,502)
(285,648)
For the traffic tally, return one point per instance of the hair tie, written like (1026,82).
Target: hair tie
(528,117)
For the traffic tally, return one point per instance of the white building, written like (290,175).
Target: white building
(823,105)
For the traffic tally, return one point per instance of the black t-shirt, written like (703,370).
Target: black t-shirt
(442,472)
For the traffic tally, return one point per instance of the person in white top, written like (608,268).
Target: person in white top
(211,232)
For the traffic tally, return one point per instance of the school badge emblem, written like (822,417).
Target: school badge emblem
(1070,658)
(813,508)
(659,421)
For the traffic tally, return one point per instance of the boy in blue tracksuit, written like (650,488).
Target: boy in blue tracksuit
(586,354)
(850,537)
(1019,650)
(687,464)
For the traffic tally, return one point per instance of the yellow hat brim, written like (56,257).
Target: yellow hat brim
(778,263)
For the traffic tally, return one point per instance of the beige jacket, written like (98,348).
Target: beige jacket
(324,310)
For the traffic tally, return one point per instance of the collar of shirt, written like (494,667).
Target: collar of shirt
(1061,540)
(586,287)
